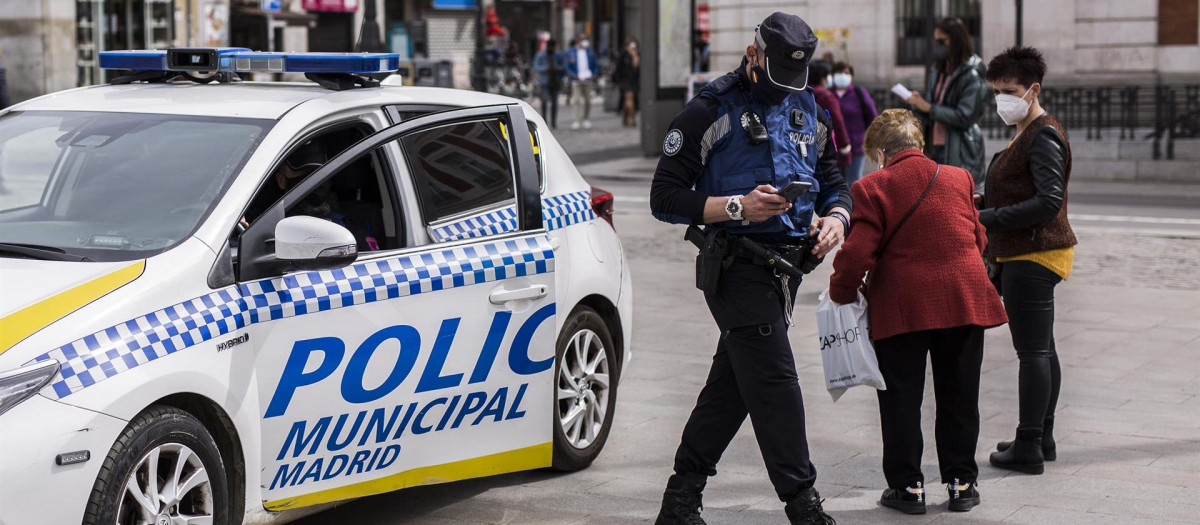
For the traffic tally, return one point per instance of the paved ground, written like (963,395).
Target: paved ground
(1128,425)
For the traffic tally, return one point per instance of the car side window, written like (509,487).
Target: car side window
(359,197)
(460,168)
(536,142)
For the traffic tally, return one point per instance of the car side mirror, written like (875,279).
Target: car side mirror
(309,243)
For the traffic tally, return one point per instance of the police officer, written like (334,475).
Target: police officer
(727,154)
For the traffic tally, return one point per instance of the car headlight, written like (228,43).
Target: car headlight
(22,383)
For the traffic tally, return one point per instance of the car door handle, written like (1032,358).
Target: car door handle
(501,296)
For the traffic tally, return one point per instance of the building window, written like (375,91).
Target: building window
(1178,22)
(915,21)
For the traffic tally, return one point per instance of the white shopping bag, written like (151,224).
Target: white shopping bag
(846,351)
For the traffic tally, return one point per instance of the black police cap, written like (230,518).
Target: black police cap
(789,44)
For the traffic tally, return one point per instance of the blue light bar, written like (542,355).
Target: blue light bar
(241,60)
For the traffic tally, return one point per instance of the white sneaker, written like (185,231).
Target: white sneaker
(587,124)
(574,125)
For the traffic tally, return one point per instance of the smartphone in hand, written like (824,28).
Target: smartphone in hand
(794,190)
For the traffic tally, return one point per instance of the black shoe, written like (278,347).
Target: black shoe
(1025,455)
(963,496)
(805,509)
(909,500)
(1049,448)
(681,503)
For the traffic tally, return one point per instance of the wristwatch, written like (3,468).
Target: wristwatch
(733,208)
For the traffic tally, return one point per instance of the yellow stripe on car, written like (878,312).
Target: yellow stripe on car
(15,327)
(528,458)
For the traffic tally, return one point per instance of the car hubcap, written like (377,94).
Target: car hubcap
(583,375)
(169,486)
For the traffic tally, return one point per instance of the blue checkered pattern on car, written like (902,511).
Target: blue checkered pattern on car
(558,211)
(109,352)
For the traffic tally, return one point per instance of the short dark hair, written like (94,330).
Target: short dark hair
(961,47)
(843,66)
(1024,65)
(817,71)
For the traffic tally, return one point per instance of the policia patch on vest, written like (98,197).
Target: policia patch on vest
(673,142)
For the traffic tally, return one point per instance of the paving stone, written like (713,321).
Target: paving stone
(1143,475)
(1040,516)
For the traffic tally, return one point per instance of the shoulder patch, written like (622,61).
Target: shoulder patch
(673,142)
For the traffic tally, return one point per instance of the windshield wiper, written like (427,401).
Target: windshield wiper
(44,253)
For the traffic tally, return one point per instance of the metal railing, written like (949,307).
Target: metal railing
(1161,113)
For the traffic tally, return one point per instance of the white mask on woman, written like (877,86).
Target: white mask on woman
(1011,108)
(841,80)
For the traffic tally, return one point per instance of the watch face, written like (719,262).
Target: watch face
(731,207)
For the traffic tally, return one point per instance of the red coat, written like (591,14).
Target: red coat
(841,137)
(932,275)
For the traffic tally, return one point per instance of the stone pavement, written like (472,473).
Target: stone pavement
(1128,425)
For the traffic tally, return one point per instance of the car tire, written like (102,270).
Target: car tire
(156,442)
(580,392)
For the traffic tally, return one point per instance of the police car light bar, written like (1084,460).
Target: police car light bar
(242,60)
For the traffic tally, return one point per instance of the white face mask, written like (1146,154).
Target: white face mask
(841,80)
(1011,108)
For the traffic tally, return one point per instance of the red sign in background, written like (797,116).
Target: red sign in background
(330,6)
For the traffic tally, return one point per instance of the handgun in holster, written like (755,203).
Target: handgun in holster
(714,257)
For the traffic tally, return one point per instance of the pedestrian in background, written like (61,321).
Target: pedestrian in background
(4,101)
(581,66)
(928,295)
(954,101)
(1032,243)
(550,68)
(626,78)
(819,73)
(858,110)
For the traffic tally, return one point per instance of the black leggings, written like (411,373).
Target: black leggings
(1029,299)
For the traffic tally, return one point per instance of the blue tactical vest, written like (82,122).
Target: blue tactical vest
(735,166)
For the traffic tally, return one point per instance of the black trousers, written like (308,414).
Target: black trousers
(1029,300)
(956,355)
(753,373)
(550,98)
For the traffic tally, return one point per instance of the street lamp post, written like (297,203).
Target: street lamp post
(1020,9)
(478,76)
(368,36)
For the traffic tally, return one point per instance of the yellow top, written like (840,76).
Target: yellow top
(1058,261)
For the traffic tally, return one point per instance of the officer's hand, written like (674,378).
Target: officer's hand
(832,232)
(763,203)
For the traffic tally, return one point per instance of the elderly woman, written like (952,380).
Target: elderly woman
(916,233)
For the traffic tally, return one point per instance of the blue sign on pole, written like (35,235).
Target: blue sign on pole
(454,4)
(272,6)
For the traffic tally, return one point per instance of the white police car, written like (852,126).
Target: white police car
(224,301)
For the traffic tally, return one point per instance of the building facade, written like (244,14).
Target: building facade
(1085,41)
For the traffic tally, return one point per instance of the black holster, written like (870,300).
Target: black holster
(714,257)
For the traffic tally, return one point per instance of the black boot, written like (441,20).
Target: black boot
(1049,448)
(963,496)
(681,503)
(805,509)
(909,500)
(1025,454)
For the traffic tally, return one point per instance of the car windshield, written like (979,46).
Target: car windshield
(113,186)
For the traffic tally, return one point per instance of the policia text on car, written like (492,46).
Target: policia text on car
(746,136)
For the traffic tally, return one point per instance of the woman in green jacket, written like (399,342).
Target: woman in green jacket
(954,101)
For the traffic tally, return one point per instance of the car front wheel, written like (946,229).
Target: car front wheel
(164,469)
(586,390)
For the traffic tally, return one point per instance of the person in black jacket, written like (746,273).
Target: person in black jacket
(1030,245)
(954,101)
(626,77)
